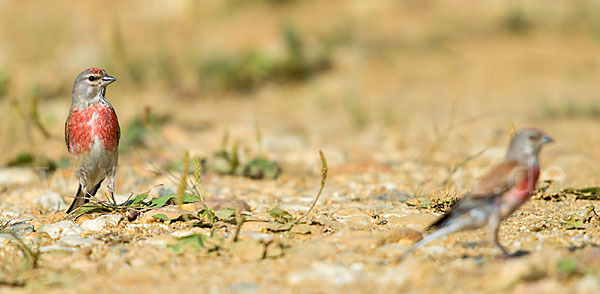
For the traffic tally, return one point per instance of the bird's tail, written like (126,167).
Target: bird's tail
(437,234)
(81,200)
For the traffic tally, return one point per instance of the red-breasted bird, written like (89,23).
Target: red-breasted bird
(498,194)
(92,135)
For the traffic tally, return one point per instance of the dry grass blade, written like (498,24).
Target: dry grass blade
(169,174)
(183,181)
(225,139)
(460,165)
(512,130)
(35,116)
(323,180)
(198,172)
(258,136)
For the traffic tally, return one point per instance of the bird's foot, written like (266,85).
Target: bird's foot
(519,253)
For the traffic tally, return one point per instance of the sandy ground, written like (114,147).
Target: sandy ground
(413,89)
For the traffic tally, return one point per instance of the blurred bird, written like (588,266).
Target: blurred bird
(498,194)
(92,135)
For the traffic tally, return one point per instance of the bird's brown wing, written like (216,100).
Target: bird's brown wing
(496,182)
(499,180)
(118,129)
(67,139)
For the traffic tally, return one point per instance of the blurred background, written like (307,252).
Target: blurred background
(411,102)
(413,87)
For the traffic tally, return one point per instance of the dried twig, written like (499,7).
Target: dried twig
(456,167)
(239,219)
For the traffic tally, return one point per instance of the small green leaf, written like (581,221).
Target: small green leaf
(261,167)
(170,199)
(225,214)
(567,266)
(190,198)
(589,193)
(591,190)
(250,218)
(86,209)
(192,242)
(161,201)
(572,223)
(138,199)
(161,216)
(22,159)
(280,215)
(208,213)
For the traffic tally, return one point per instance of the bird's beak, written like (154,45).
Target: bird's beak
(546,139)
(107,80)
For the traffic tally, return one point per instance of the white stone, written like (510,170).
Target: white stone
(55,247)
(158,241)
(259,236)
(77,240)
(397,275)
(61,229)
(50,200)
(295,207)
(10,214)
(588,284)
(335,274)
(5,240)
(136,228)
(186,233)
(100,223)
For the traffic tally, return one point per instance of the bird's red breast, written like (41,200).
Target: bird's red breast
(523,189)
(96,123)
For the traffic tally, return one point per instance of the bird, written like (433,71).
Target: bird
(92,135)
(497,195)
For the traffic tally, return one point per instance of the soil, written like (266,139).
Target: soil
(417,102)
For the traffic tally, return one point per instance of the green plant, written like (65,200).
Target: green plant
(226,160)
(4,83)
(137,130)
(572,110)
(572,223)
(253,68)
(282,220)
(357,112)
(567,266)
(32,255)
(516,20)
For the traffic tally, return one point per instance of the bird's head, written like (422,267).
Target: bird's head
(90,84)
(526,145)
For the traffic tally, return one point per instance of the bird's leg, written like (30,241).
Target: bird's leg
(78,194)
(493,226)
(111,187)
(85,195)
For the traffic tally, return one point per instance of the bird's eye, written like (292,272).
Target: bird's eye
(91,78)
